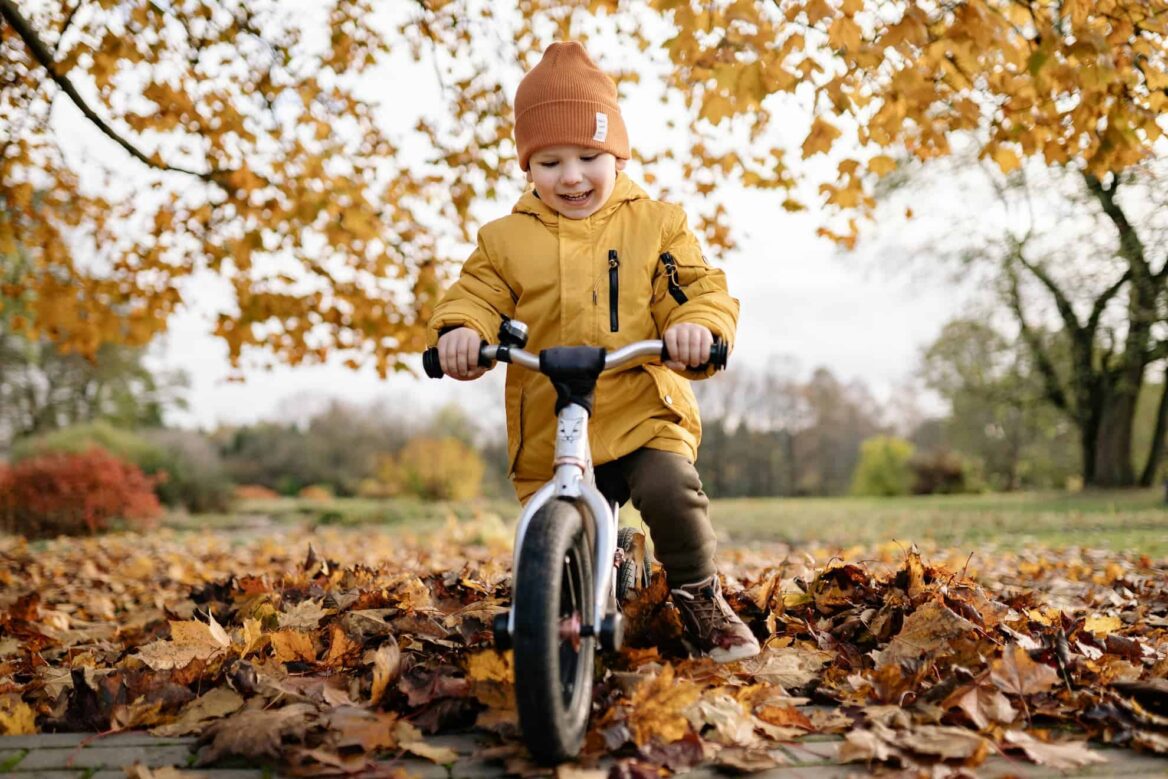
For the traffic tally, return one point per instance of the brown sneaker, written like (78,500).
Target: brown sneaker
(711,623)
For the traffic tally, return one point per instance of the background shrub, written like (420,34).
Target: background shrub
(939,473)
(186,467)
(884,468)
(254,492)
(74,493)
(435,468)
(190,471)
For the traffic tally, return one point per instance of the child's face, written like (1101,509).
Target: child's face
(574,180)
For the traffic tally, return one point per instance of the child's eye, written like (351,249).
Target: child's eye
(590,157)
(548,164)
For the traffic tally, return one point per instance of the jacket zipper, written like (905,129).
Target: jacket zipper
(671,274)
(613,290)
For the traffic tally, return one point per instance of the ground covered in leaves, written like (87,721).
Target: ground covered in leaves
(323,651)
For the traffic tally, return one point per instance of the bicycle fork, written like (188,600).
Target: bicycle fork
(574,480)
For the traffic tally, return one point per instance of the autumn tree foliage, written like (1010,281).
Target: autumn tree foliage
(74,493)
(261,159)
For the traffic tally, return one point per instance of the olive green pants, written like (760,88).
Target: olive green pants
(666,489)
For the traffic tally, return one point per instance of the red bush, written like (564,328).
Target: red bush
(74,493)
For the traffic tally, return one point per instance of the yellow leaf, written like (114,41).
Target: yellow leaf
(844,34)
(820,138)
(293,646)
(817,10)
(1006,158)
(410,739)
(1102,625)
(715,107)
(490,666)
(17,718)
(881,164)
(658,708)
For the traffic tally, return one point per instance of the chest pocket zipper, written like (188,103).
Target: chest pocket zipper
(613,291)
(671,274)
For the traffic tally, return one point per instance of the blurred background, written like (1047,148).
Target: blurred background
(223,225)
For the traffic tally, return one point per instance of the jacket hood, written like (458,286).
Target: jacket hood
(625,190)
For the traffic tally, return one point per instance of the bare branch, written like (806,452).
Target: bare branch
(44,57)
(1050,378)
(1102,301)
(1066,310)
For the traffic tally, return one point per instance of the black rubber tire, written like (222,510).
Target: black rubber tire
(629,576)
(553,679)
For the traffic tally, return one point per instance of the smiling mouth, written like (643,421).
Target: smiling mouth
(579,198)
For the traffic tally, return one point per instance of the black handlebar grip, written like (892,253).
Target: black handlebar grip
(719,355)
(433,366)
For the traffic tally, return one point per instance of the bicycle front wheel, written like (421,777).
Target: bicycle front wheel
(553,662)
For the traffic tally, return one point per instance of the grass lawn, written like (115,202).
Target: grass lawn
(1134,520)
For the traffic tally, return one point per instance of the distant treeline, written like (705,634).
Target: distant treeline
(765,432)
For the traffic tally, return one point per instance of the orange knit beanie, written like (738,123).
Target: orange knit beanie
(566,99)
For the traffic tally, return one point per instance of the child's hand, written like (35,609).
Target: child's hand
(689,345)
(458,354)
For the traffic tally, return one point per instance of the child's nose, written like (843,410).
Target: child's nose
(571,173)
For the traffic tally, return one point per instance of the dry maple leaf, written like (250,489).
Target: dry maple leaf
(926,631)
(194,717)
(787,667)
(732,724)
(1062,756)
(189,641)
(386,662)
(658,708)
(290,646)
(16,717)
(410,739)
(1015,673)
(255,733)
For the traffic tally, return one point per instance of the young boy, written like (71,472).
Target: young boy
(586,257)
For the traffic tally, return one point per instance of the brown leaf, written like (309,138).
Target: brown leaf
(410,739)
(190,640)
(289,646)
(1015,673)
(658,708)
(386,665)
(17,718)
(787,667)
(216,703)
(1062,756)
(926,631)
(255,733)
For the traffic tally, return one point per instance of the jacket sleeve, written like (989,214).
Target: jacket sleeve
(686,289)
(479,299)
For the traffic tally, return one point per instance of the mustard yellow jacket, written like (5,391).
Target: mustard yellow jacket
(627,273)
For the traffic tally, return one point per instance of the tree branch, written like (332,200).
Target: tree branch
(1050,377)
(1066,310)
(44,57)
(1130,246)
(1103,300)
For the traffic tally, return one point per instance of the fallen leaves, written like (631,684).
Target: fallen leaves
(321,666)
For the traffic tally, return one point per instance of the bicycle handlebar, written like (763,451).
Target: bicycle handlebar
(490,353)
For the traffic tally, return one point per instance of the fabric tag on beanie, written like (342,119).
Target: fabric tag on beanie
(601,127)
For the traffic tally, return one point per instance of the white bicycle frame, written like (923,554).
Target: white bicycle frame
(573,479)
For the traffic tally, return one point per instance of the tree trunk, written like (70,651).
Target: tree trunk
(1113,443)
(1156,451)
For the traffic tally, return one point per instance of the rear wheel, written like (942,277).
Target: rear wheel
(633,573)
(553,662)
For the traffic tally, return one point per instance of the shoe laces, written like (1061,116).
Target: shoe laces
(703,603)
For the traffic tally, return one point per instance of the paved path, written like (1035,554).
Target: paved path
(83,756)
